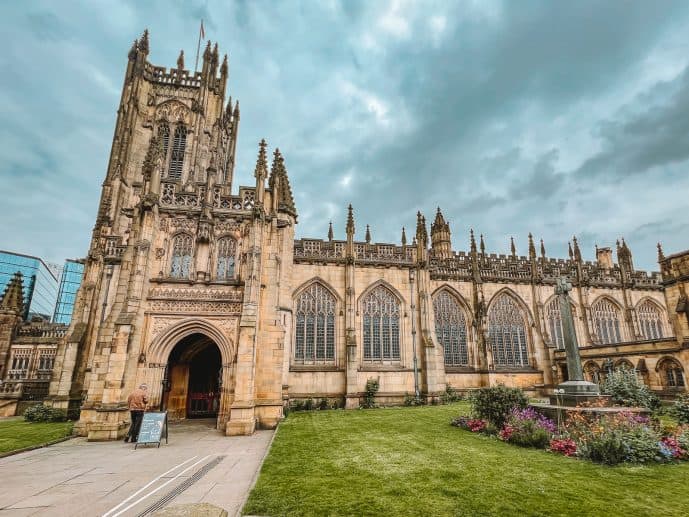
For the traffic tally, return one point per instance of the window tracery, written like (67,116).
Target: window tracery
(179,143)
(650,320)
(592,372)
(554,319)
(381,320)
(507,333)
(451,329)
(164,137)
(606,321)
(314,339)
(671,374)
(182,247)
(227,252)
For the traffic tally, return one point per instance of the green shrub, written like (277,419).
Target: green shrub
(308,405)
(528,428)
(411,400)
(495,403)
(323,404)
(450,395)
(626,389)
(372,387)
(680,409)
(41,413)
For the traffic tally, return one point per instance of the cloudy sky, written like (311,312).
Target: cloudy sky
(553,117)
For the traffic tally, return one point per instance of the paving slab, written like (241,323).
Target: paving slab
(80,478)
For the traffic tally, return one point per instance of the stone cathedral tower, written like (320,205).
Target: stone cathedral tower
(180,268)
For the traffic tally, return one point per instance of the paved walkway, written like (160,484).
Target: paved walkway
(78,478)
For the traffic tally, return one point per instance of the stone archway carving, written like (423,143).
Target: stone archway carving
(165,340)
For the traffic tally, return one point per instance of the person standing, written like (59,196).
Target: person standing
(136,402)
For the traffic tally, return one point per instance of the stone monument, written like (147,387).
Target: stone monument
(575,389)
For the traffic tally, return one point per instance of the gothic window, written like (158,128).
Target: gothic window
(451,329)
(180,266)
(507,333)
(381,310)
(650,320)
(624,364)
(227,250)
(164,136)
(177,157)
(314,339)
(554,319)
(606,321)
(671,374)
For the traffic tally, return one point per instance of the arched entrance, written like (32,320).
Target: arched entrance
(193,381)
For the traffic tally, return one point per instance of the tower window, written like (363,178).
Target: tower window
(227,248)
(381,310)
(177,157)
(180,266)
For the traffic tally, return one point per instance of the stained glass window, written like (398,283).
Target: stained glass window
(182,246)
(381,320)
(314,339)
(650,320)
(451,329)
(554,319)
(227,250)
(177,157)
(507,332)
(606,321)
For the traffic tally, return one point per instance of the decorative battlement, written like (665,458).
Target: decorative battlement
(42,330)
(318,250)
(173,76)
(174,195)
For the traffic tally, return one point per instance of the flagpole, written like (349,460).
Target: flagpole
(198,46)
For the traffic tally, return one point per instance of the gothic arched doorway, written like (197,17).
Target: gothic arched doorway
(193,379)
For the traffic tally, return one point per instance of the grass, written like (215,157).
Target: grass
(15,433)
(410,461)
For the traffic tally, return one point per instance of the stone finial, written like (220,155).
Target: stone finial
(482,245)
(235,115)
(404,237)
(133,50)
(180,60)
(513,248)
(207,51)
(261,169)
(368,235)
(285,199)
(421,232)
(661,256)
(216,54)
(472,241)
(13,298)
(330,231)
(350,221)
(542,249)
(224,66)
(532,247)
(577,251)
(440,236)
(143,43)
(571,253)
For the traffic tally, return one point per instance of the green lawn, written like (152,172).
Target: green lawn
(410,461)
(15,433)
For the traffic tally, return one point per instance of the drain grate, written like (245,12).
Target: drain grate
(160,503)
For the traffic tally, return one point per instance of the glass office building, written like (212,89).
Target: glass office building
(39,281)
(70,281)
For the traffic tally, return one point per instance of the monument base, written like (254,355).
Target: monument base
(576,393)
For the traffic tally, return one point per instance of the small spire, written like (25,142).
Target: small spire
(513,249)
(180,60)
(216,54)
(472,240)
(330,231)
(542,249)
(404,237)
(368,235)
(223,67)
(577,251)
(350,220)
(235,116)
(143,42)
(571,253)
(661,256)
(261,170)
(133,50)
(207,52)
(532,248)
(13,297)
(483,246)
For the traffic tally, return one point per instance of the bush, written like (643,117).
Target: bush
(323,404)
(450,395)
(411,400)
(475,425)
(565,446)
(626,389)
(41,413)
(527,428)
(495,403)
(612,439)
(680,409)
(372,387)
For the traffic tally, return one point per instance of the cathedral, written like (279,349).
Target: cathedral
(198,288)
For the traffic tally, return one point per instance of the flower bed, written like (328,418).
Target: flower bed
(612,438)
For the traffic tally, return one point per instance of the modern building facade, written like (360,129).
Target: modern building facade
(70,280)
(40,282)
(199,288)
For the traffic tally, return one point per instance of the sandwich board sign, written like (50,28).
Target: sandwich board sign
(153,425)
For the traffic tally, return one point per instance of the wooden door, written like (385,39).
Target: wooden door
(179,386)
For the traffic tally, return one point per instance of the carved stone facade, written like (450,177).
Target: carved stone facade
(205,295)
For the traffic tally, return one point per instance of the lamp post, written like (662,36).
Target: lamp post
(412,276)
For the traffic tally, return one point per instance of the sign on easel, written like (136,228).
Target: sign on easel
(153,425)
